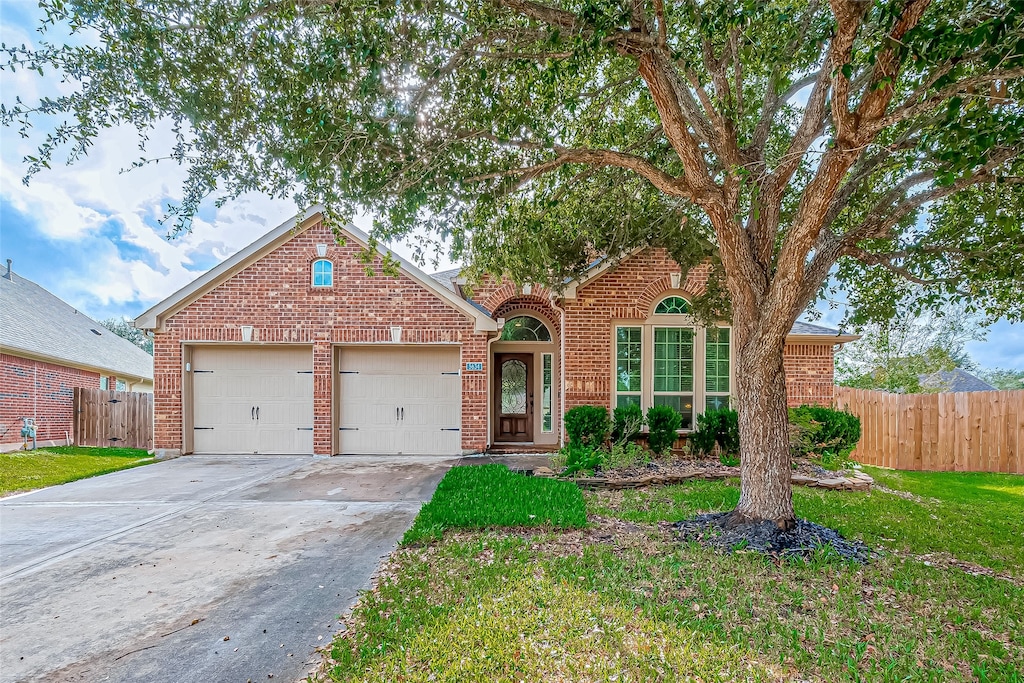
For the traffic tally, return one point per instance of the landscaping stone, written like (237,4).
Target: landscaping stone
(714,531)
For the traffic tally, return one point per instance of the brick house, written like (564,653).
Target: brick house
(47,348)
(290,347)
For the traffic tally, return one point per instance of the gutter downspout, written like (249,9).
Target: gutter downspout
(561,372)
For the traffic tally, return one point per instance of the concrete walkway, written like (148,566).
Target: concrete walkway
(197,569)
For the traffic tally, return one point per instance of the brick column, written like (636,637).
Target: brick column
(323,367)
(474,393)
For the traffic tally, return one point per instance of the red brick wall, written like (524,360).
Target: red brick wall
(809,373)
(45,391)
(629,292)
(276,297)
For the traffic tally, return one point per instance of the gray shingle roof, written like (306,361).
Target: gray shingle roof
(34,321)
(446,277)
(800,327)
(954,380)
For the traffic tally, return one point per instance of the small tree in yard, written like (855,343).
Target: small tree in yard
(124,328)
(792,144)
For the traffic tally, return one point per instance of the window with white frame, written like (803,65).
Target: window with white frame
(673,370)
(669,359)
(628,364)
(323,273)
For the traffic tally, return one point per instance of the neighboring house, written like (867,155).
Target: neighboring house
(953,380)
(47,348)
(290,347)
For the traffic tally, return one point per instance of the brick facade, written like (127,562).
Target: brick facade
(274,295)
(628,293)
(45,391)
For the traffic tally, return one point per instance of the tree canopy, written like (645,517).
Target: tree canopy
(531,135)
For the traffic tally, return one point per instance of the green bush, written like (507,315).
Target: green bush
(587,425)
(719,426)
(582,458)
(627,422)
(824,432)
(662,424)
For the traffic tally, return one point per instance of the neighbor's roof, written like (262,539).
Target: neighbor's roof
(954,380)
(37,324)
(154,317)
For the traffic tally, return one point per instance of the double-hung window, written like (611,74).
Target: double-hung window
(673,370)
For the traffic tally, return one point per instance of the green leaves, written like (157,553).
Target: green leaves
(448,117)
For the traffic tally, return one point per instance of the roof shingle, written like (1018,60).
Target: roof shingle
(34,321)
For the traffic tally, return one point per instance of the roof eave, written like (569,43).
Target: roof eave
(68,363)
(154,317)
(823,338)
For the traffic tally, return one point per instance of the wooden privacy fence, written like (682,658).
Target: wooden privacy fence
(971,431)
(113,418)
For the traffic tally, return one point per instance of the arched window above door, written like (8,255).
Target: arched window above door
(525,328)
(673,305)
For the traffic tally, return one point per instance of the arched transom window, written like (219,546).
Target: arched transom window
(673,304)
(323,273)
(525,328)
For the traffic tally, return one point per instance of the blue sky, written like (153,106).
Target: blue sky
(90,233)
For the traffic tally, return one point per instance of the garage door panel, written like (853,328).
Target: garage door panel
(399,400)
(230,382)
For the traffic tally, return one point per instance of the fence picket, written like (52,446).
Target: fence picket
(965,431)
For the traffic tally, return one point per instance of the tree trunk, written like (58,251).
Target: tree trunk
(765,471)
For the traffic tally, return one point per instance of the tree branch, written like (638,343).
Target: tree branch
(670,185)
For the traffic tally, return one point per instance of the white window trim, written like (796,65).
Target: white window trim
(550,359)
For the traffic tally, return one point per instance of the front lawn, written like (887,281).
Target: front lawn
(622,601)
(27,470)
(485,496)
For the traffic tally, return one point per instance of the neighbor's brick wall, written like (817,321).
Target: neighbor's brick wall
(809,373)
(30,388)
(275,296)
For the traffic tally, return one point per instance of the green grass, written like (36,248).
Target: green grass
(484,496)
(621,600)
(27,470)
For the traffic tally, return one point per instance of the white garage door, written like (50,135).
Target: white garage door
(252,400)
(400,400)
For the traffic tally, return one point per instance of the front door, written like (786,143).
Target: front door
(513,397)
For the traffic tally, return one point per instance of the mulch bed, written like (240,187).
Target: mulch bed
(803,540)
(659,474)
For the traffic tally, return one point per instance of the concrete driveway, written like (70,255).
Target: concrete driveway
(197,569)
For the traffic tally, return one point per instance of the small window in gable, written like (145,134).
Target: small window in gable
(323,273)
(525,328)
(673,304)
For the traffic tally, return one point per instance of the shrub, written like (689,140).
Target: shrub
(582,458)
(662,423)
(587,425)
(719,426)
(627,422)
(830,434)
(623,455)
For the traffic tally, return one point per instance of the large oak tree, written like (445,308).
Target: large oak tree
(796,144)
